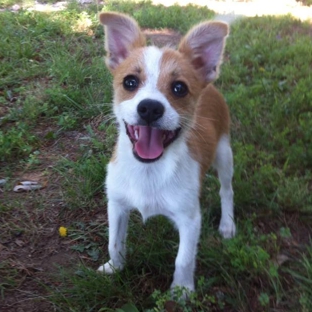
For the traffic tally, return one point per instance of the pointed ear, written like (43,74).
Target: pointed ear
(204,45)
(122,34)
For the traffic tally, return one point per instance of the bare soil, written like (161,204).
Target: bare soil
(32,248)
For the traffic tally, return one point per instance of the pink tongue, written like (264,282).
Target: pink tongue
(150,143)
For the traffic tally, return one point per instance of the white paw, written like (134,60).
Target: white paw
(109,268)
(227,229)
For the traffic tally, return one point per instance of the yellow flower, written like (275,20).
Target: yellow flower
(62,231)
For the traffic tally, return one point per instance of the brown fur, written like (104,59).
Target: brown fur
(174,67)
(212,120)
(204,105)
(133,65)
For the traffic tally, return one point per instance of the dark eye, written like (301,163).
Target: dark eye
(130,83)
(179,88)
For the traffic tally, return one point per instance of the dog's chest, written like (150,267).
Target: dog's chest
(164,187)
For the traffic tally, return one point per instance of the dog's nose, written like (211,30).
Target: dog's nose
(150,110)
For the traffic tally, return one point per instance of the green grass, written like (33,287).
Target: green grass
(55,119)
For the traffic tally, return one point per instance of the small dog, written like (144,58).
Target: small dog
(173,124)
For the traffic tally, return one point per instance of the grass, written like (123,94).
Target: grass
(55,125)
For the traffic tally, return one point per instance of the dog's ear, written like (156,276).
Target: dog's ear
(204,45)
(122,34)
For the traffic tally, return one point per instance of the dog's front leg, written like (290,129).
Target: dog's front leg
(118,218)
(189,231)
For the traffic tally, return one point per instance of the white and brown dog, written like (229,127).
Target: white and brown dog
(173,124)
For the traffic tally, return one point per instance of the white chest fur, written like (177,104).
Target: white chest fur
(169,186)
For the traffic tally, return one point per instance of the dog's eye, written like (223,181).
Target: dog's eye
(179,88)
(130,83)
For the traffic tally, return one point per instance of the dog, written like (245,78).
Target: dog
(173,125)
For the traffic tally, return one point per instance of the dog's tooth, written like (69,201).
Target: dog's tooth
(136,134)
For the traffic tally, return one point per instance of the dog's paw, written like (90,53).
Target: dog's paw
(227,229)
(109,268)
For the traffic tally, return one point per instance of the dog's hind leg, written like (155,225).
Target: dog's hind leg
(118,218)
(224,165)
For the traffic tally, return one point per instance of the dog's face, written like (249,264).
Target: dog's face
(156,90)
(155,96)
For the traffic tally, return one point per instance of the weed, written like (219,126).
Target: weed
(69,77)
(86,237)
(18,141)
(83,179)
(9,278)
(303,277)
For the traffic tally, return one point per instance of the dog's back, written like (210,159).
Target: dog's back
(212,121)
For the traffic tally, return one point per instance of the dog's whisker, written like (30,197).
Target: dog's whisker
(196,130)
(194,126)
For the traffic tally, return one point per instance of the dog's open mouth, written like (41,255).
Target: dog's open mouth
(148,142)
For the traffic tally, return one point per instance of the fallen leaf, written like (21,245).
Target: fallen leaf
(280,259)
(26,186)
(19,242)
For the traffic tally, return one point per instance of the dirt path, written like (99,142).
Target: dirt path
(221,7)
(250,7)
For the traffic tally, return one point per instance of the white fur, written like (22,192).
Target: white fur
(224,166)
(169,186)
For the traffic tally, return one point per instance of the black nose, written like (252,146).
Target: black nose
(150,110)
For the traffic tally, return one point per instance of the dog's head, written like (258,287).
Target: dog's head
(156,90)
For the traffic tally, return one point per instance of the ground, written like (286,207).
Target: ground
(34,256)
(33,248)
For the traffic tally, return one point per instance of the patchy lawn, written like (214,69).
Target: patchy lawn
(56,129)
